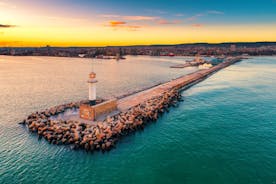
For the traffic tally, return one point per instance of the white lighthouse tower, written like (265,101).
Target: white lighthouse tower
(92,88)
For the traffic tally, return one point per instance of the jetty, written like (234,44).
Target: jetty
(179,84)
(133,113)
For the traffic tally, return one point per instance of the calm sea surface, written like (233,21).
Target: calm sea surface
(224,131)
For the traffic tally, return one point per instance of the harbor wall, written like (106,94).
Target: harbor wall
(105,107)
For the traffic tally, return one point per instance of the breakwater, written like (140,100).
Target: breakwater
(135,111)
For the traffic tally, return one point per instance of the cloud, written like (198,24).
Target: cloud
(138,18)
(6,26)
(122,25)
(197,25)
(164,21)
(116,23)
(215,12)
(130,17)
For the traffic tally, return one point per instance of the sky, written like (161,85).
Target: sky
(130,22)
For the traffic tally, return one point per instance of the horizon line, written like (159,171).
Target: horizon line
(142,45)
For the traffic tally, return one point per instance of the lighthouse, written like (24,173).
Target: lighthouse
(90,110)
(92,88)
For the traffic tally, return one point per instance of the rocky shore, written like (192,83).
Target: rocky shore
(101,135)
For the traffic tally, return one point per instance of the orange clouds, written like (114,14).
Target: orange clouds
(116,23)
(122,24)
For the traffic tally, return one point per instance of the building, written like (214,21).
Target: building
(233,48)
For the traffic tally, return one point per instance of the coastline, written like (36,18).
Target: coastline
(53,56)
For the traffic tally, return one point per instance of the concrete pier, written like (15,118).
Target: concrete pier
(179,83)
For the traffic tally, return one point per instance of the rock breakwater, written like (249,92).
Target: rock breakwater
(101,135)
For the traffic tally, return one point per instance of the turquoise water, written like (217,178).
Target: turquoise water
(224,131)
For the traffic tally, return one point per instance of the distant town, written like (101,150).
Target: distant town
(110,52)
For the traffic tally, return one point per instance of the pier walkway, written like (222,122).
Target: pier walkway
(179,83)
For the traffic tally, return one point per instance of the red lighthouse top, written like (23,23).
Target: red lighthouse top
(92,75)
(92,78)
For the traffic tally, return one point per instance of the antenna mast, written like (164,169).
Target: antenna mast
(92,64)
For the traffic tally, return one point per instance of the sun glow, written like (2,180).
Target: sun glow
(23,25)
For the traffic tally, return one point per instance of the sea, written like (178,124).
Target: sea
(223,132)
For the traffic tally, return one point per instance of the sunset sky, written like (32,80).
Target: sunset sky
(128,22)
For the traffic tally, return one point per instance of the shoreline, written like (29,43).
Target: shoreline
(135,111)
(77,57)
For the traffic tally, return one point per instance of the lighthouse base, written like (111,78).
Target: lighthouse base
(92,102)
(92,112)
